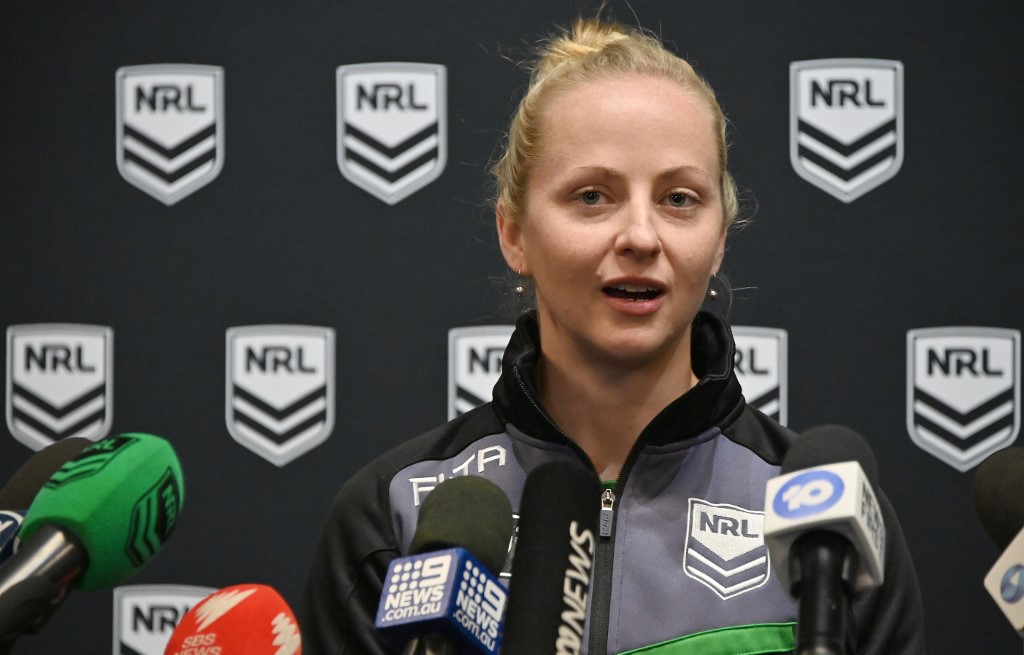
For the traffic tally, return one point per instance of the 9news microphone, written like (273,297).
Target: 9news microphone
(446,598)
(245,619)
(825,532)
(999,501)
(553,561)
(95,523)
(16,496)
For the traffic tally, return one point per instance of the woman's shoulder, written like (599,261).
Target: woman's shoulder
(761,434)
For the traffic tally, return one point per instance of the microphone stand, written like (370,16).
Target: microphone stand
(823,571)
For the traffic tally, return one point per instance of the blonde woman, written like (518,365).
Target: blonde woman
(614,203)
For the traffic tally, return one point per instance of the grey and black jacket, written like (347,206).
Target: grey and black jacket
(684,570)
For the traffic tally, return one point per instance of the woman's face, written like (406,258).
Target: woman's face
(623,223)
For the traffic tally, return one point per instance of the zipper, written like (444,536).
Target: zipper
(601,586)
(601,591)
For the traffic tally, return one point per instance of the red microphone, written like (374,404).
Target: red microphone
(245,619)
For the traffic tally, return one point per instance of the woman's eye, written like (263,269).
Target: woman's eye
(590,197)
(679,199)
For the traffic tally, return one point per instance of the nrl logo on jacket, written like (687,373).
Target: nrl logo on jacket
(392,127)
(846,123)
(725,549)
(280,389)
(170,128)
(60,382)
(963,392)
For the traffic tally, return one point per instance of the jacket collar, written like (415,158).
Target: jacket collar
(715,401)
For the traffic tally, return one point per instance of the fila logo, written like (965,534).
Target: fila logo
(170,128)
(963,392)
(846,123)
(761,367)
(725,549)
(280,389)
(475,463)
(60,382)
(146,615)
(474,364)
(392,127)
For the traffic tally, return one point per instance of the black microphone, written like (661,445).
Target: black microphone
(825,533)
(1000,506)
(446,598)
(553,561)
(17,494)
(22,487)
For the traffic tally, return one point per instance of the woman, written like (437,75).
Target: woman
(614,201)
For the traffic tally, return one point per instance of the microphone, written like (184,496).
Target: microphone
(244,619)
(17,494)
(554,558)
(1000,506)
(825,533)
(95,523)
(446,598)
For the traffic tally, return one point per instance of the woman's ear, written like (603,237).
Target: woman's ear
(719,253)
(510,237)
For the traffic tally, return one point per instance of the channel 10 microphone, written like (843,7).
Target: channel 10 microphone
(553,563)
(17,494)
(95,523)
(446,597)
(825,532)
(999,501)
(244,619)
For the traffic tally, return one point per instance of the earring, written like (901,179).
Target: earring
(711,295)
(520,289)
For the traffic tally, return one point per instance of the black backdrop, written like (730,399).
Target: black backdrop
(280,237)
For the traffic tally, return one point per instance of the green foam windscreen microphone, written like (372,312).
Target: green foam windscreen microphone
(120,498)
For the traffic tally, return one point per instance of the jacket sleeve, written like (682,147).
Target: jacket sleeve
(345,579)
(890,619)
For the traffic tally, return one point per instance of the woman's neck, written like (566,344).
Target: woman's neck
(603,407)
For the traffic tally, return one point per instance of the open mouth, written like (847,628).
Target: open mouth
(632,292)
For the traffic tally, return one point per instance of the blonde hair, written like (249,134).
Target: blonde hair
(592,50)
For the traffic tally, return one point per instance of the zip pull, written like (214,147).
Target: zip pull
(607,512)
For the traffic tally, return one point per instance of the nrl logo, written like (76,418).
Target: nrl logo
(60,382)
(761,364)
(170,128)
(392,127)
(963,392)
(846,123)
(280,389)
(474,364)
(145,615)
(725,549)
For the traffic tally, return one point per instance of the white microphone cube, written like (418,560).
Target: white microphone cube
(1005,582)
(835,498)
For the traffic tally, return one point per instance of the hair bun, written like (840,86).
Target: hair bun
(588,35)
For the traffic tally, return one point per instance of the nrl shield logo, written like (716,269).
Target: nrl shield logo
(280,389)
(963,392)
(145,615)
(761,364)
(846,123)
(725,548)
(170,128)
(392,127)
(474,364)
(60,382)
